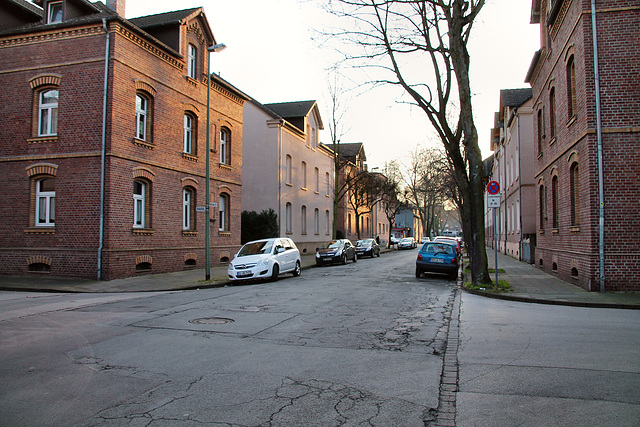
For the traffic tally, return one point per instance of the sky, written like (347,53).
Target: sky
(274,54)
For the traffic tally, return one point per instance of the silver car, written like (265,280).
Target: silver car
(265,259)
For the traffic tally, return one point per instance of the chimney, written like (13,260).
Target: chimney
(117,5)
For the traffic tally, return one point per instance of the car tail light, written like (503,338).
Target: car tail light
(419,257)
(454,261)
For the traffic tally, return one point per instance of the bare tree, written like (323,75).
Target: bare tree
(389,194)
(388,35)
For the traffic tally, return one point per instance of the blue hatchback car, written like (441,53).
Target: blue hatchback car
(437,257)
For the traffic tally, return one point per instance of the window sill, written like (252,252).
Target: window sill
(288,184)
(303,188)
(571,121)
(144,144)
(224,233)
(316,192)
(40,230)
(142,231)
(539,155)
(43,140)
(191,81)
(555,231)
(190,157)
(553,141)
(189,233)
(574,229)
(540,232)
(224,166)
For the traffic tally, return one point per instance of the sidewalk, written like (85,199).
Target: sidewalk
(529,284)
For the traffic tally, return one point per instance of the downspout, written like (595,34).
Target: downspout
(104,145)
(599,134)
(506,195)
(280,125)
(515,112)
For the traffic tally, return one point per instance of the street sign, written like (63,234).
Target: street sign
(213,204)
(493,187)
(201,209)
(493,200)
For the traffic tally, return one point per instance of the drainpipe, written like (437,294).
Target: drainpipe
(280,125)
(599,134)
(104,145)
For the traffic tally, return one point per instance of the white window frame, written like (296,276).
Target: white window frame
(139,205)
(45,200)
(222,212)
(142,115)
(188,134)
(225,134)
(191,61)
(52,9)
(186,209)
(47,114)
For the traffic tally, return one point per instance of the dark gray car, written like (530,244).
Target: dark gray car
(333,251)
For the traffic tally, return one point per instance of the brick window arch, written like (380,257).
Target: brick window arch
(571,87)
(46,95)
(43,194)
(574,183)
(542,204)
(552,113)
(540,130)
(188,208)
(224,206)
(554,201)
(190,134)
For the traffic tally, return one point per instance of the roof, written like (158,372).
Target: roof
(287,110)
(515,97)
(160,19)
(27,5)
(352,150)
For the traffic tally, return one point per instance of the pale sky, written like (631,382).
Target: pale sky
(271,56)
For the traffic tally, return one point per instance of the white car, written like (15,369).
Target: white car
(407,243)
(265,259)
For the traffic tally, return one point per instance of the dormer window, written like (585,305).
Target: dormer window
(55,12)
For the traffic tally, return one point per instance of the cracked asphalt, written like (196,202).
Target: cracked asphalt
(361,344)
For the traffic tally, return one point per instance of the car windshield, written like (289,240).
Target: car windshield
(406,239)
(434,248)
(332,244)
(256,248)
(366,242)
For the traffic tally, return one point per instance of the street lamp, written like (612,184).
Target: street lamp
(207,231)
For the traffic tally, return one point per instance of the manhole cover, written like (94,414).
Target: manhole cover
(212,321)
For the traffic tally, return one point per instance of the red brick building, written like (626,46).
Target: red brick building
(102,149)
(572,82)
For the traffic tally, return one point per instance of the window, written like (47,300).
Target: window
(288,217)
(189,133)
(554,202)
(540,130)
(316,221)
(139,204)
(142,117)
(188,208)
(288,170)
(327,179)
(303,168)
(327,222)
(223,212)
(191,61)
(225,142)
(55,12)
(316,179)
(575,194)
(552,113)
(48,112)
(303,220)
(571,87)
(45,202)
(542,206)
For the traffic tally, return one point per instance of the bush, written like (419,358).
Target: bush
(259,225)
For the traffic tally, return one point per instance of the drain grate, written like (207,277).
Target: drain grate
(212,321)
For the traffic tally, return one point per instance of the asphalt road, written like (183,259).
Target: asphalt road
(360,344)
(340,345)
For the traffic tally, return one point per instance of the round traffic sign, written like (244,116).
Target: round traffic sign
(493,187)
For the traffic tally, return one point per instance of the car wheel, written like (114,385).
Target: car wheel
(355,257)
(296,271)
(275,272)
(378,255)
(344,259)
(418,273)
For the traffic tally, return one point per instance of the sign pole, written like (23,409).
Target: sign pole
(495,245)
(493,200)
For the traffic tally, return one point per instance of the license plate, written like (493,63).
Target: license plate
(439,260)
(326,259)
(244,273)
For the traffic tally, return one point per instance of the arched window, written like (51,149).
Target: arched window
(349,225)
(188,208)
(189,136)
(45,202)
(223,212)
(316,179)
(540,130)
(327,222)
(571,87)
(316,221)
(575,194)
(303,220)
(303,171)
(542,206)
(288,218)
(552,113)
(327,179)
(191,61)
(48,112)
(143,117)
(554,202)
(225,146)
(140,203)
(288,168)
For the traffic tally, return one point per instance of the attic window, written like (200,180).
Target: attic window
(55,12)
